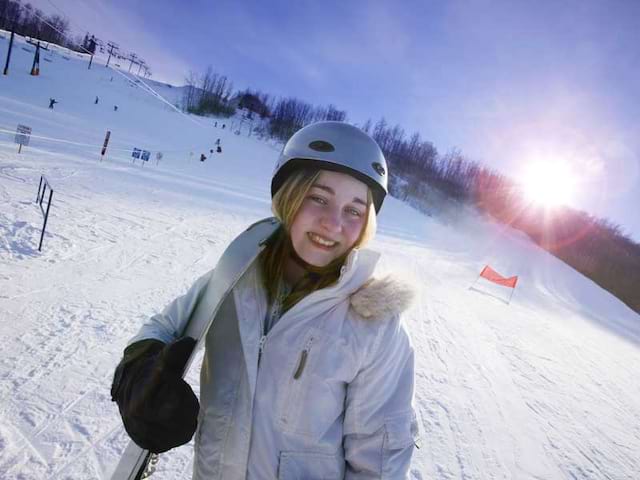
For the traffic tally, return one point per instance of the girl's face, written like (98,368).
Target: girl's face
(330,219)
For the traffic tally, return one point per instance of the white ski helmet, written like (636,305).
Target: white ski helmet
(335,146)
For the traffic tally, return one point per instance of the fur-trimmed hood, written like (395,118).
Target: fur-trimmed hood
(370,297)
(382,298)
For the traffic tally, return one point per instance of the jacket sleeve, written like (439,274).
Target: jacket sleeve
(168,325)
(380,426)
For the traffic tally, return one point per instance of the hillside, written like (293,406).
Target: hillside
(545,387)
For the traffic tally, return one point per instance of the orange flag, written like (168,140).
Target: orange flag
(493,276)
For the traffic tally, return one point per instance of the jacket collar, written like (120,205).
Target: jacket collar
(357,269)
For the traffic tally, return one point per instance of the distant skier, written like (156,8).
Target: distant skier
(52,102)
(97,100)
(202,157)
(115,108)
(308,371)
(218,142)
(216,124)
(223,125)
(219,149)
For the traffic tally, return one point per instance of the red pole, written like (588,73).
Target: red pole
(510,296)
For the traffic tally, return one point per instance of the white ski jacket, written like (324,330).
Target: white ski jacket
(326,394)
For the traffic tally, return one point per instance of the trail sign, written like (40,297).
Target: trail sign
(136,153)
(23,134)
(146,154)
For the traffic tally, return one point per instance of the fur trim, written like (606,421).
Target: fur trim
(382,298)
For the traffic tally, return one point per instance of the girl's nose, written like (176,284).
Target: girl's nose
(331,221)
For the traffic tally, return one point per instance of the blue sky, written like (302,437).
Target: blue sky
(508,82)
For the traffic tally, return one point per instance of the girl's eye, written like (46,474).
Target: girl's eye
(354,212)
(317,199)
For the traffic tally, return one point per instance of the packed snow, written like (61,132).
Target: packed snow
(544,387)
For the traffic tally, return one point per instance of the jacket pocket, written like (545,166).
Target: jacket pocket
(401,430)
(311,397)
(310,466)
(298,381)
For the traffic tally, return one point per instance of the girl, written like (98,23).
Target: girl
(308,372)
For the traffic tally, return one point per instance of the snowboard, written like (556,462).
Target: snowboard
(137,463)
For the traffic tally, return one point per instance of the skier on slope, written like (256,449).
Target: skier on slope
(308,371)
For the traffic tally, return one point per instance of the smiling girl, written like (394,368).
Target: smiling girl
(308,372)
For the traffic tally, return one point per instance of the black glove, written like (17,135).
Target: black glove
(158,408)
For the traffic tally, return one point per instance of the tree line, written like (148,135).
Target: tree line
(211,93)
(595,247)
(421,175)
(28,21)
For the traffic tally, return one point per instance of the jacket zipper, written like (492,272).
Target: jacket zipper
(263,340)
(303,359)
(274,311)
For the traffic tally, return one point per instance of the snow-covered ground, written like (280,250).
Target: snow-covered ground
(547,387)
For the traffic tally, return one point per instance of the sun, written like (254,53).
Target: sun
(549,183)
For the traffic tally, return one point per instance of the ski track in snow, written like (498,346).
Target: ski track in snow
(547,387)
(63,338)
(64,321)
(496,403)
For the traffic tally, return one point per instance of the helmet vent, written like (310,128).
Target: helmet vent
(378,168)
(321,146)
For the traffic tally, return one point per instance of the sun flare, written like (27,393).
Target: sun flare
(549,183)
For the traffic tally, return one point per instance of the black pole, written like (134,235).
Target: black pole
(90,60)
(46,217)
(111,47)
(39,187)
(104,145)
(35,68)
(6,65)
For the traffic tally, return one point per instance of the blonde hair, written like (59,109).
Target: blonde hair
(285,205)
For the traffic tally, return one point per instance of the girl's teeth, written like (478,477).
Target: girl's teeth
(321,241)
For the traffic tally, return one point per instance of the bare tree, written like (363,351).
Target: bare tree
(288,116)
(208,94)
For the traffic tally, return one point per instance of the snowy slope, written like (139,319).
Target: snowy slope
(546,387)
